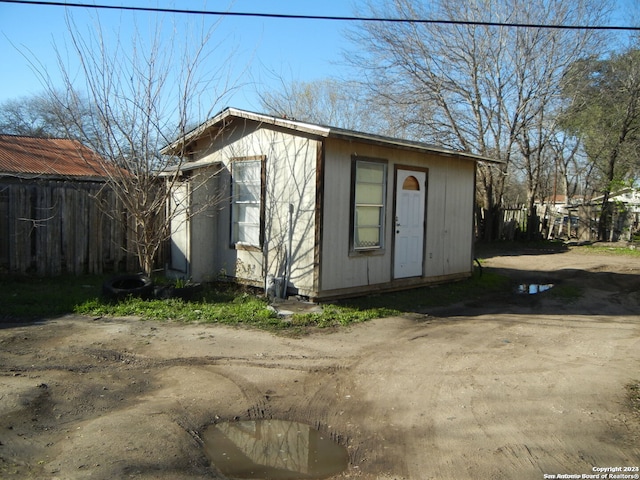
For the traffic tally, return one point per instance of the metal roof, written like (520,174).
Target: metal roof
(317,130)
(31,156)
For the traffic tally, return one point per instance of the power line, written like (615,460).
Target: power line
(320,17)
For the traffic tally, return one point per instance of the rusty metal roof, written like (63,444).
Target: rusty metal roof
(59,157)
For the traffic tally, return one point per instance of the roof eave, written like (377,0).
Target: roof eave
(187,167)
(308,128)
(52,176)
(319,131)
(406,145)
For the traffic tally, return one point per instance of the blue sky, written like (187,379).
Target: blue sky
(266,51)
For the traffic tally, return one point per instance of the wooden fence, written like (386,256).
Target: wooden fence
(515,223)
(506,223)
(54,227)
(512,222)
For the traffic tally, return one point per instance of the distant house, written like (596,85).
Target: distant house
(50,222)
(320,211)
(553,205)
(626,217)
(627,197)
(578,218)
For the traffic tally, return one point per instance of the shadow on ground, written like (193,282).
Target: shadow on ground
(572,291)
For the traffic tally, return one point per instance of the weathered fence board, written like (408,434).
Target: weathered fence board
(53,227)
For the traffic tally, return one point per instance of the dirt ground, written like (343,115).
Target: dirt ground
(513,387)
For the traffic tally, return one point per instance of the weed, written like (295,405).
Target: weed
(182,282)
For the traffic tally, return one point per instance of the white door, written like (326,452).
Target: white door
(409,223)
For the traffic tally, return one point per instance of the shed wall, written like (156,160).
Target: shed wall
(323,262)
(290,179)
(449,218)
(205,201)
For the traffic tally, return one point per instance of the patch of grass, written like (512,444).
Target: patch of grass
(608,249)
(228,304)
(340,315)
(222,304)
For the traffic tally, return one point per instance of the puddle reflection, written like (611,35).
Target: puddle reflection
(273,449)
(533,288)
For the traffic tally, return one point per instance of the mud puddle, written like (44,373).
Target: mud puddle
(273,449)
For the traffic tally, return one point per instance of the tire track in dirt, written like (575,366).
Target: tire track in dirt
(377,395)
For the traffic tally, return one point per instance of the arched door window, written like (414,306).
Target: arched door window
(411,183)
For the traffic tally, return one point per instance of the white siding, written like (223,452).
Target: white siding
(180,237)
(450,217)
(204,198)
(449,227)
(290,178)
(339,268)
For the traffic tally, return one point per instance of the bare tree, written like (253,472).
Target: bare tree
(142,93)
(40,116)
(23,116)
(339,103)
(489,90)
(329,101)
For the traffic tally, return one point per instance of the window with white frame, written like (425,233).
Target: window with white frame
(369,199)
(246,194)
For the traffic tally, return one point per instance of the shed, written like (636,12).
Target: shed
(324,211)
(50,221)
